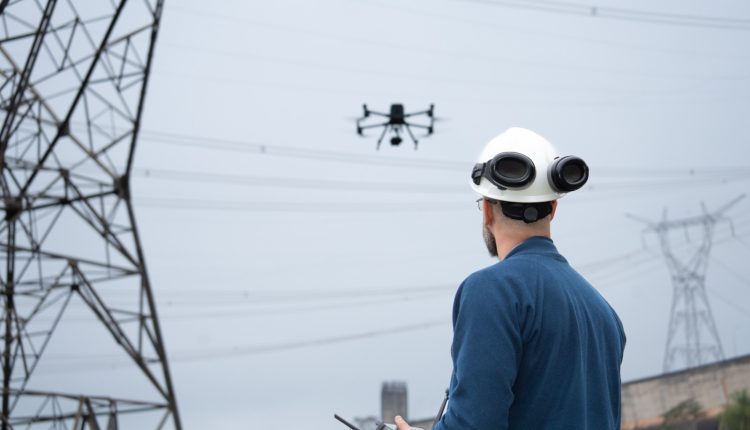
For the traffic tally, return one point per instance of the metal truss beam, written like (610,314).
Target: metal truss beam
(73,81)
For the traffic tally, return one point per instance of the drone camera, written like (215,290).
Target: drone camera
(396,141)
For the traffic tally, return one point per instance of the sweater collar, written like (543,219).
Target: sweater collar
(534,245)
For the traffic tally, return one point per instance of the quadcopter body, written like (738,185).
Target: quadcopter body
(397,121)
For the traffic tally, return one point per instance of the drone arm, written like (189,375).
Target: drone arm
(414,139)
(365,127)
(424,112)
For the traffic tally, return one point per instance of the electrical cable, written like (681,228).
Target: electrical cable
(308,64)
(730,303)
(204,298)
(561,36)
(734,95)
(379,42)
(213,143)
(621,14)
(164,313)
(646,265)
(243,350)
(295,152)
(295,207)
(731,271)
(296,183)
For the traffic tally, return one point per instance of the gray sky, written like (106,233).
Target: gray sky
(272,264)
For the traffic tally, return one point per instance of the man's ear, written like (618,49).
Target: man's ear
(488,211)
(554,209)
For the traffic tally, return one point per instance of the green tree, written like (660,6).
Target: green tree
(682,415)
(737,415)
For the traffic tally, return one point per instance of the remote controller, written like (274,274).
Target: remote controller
(384,426)
(381,426)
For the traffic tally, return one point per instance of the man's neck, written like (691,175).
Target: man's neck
(507,243)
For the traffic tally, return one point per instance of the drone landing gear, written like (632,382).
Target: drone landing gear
(414,139)
(382,135)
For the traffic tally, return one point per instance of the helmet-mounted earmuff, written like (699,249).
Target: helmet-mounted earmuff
(512,170)
(506,170)
(568,174)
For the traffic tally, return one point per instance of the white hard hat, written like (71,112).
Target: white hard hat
(523,167)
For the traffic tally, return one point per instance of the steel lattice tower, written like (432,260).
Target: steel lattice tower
(692,338)
(74,78)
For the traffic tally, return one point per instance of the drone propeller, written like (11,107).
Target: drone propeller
(363,133)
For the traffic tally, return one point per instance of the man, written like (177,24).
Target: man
(535,347)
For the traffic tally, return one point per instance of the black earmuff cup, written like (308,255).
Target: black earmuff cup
(568,174)
(510,170)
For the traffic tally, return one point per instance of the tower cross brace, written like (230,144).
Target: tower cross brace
(73,79)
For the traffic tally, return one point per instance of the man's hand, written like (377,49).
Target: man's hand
(401,424)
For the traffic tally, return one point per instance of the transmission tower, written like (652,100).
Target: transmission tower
(74,77)
(692,338)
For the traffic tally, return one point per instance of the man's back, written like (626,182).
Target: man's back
(535,347)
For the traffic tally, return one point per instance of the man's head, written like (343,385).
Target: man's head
(520,177)
(501,232)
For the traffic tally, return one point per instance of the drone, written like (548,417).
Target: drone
(396,123)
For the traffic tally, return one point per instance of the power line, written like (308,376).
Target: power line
(628,264)
(298,183)
(295,152)
(224,144)
(263,312)
(647,264)
(733,304)
(364,186)
(311,206)
(235,54)
(621,14)
(204,297)
(731,271)
(248,350)
(422,49)
(295,206)
(545,102)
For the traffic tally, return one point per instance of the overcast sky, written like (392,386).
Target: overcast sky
(356,280)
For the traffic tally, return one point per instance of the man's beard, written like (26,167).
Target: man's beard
(489,240)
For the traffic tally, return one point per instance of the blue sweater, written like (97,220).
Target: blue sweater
(535,347)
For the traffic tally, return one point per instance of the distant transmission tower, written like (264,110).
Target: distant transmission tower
(74,75)
(692,338)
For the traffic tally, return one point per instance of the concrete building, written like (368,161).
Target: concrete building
(393,401)
(646,400)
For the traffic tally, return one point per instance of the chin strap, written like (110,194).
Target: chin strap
(526,212)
